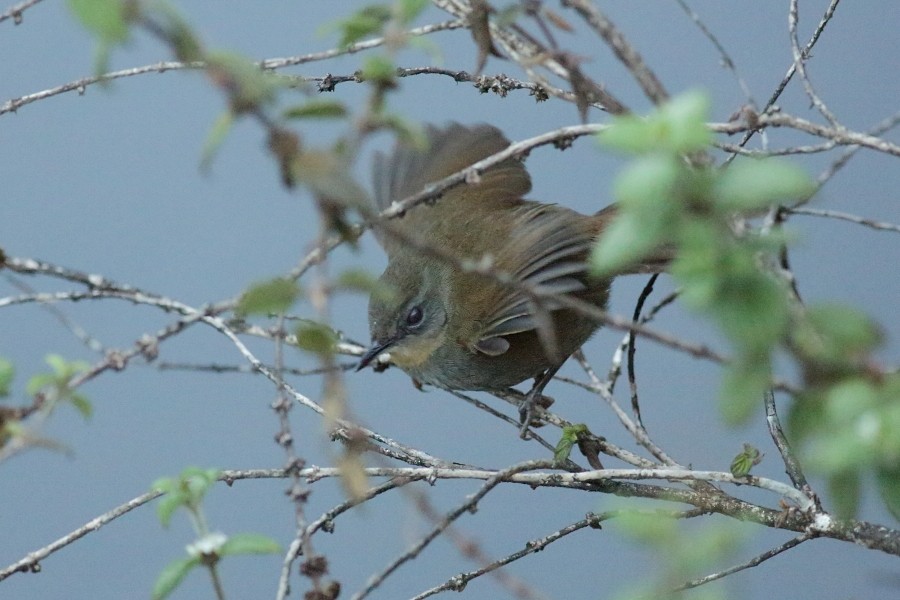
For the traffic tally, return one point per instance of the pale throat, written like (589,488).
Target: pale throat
(413,351)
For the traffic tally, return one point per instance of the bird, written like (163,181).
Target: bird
(460,329)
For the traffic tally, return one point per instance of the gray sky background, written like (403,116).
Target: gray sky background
(108,183)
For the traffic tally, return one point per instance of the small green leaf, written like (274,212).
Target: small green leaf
(408,132)
(186,490)
(185,44)
(683,122)
(316,109)
(646,527)
(648,184)
(104,18)
(745,461)
(198,481)
(167,507)
(630,134)
(366,22)
(356,280)
(677,127)
(274,296)
(316,337)
(249,87)
(38,382)
(82,404)
(249,543)
(845,490)
(752,308)
(743,385)
(568,440)
(847,400)
(836,335)
(328,175)
(697,266)
(7,372)
(888,479)
(407,10)
(59,365)
(379,69)
(172,576)
(753,184)
(215,138)
(624,242)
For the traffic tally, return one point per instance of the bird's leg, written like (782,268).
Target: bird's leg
(534,397)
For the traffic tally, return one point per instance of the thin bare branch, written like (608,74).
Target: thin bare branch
(800,57)
(15,11)
(753,562)
(81,85)
(622,48)
(842,216)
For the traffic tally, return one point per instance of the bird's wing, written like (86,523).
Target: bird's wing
(409,170)
(548,255)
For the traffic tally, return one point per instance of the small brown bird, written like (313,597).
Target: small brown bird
(462,330)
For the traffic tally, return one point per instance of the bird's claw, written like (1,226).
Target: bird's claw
(528,411)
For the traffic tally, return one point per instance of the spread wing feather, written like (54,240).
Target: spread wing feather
(552,252)
(409,170)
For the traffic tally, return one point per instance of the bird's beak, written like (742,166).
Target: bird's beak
(372,353)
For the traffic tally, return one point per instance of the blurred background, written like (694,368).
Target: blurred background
(108,182)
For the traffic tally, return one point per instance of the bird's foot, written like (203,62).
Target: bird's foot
(530,407)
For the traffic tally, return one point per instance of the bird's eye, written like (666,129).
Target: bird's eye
(414,316)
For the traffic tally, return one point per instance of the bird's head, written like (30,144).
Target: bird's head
(408,312)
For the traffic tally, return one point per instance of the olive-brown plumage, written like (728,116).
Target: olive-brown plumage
(462,330)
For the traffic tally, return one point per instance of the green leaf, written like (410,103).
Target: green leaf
(215,138)
(357,280)
(249,87)
(752,309)
(367,22)
(745,461)
(683,122)
(836,334)
(274,296)
(888,479)
(104,18)
(847,400)
(648,185)
(59,365)
(186,490)
(408,132)
(753,184)
(316,337)
(648,528)
(7,372)
(696,267)
(328,175)
(630,134)
(624,242)
(167,507)
(172,576)
(198,481)
(249,543)
(185,44)
(845,490)
(743,385)
(82,405)
(316,109)
(568,440)
(38,382)
(407,10)
(379,69)
(676,128)
(64,369)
